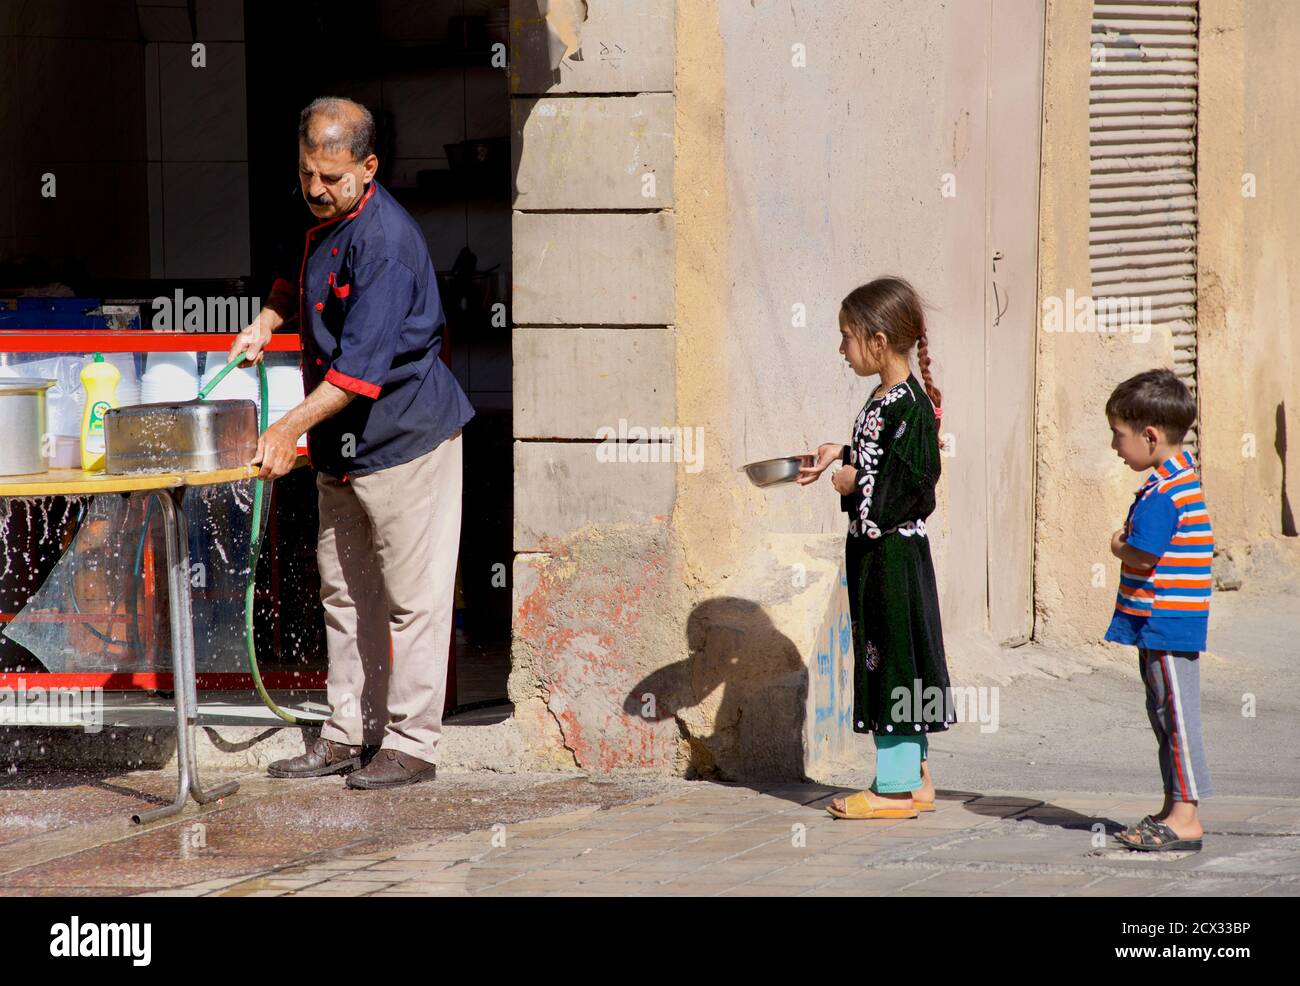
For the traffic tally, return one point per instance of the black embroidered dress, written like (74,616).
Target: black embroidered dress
(893,600)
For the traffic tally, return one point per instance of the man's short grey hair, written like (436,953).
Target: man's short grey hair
(348,126)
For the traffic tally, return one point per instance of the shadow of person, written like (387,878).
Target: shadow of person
(1017,809)
(738,697)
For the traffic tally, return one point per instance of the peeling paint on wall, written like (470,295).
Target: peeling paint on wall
(564,20)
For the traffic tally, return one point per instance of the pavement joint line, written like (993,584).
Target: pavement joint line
(678,848)
(597,875)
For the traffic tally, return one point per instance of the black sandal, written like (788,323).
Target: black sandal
(1147,822)
(1153,836)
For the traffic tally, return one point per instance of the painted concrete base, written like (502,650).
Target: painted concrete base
(480,741)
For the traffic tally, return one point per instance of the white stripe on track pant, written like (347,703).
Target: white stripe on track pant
(1173,686)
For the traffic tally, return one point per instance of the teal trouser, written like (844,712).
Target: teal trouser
(898,762)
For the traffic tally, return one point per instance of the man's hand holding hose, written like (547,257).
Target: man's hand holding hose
(277,449)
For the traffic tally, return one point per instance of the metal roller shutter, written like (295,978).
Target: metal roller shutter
(1142,144)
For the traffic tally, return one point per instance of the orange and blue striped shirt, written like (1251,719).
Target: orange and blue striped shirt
(1168,519)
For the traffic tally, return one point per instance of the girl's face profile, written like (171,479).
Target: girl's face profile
(855,352)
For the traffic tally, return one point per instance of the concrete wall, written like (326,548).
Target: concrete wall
(599,627)
(1082,486)
(668,614)
(1247,341)
(804,182)
(1248,272)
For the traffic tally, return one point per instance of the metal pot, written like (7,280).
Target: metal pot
(22,423)
(187,436)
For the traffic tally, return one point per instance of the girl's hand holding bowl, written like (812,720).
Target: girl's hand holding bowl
(816,462)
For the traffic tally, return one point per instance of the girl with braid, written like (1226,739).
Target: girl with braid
(886,484)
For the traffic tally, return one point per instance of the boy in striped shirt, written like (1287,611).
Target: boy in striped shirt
(1163,606)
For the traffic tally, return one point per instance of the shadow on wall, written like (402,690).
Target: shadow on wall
(1288,516)
(557,30)
(753,728)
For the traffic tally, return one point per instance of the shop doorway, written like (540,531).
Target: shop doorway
(442,105)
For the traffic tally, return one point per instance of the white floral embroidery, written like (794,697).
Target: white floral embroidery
(872,656)
(902,427)
(912,527)
(866,454)
(895,392)
(872,422)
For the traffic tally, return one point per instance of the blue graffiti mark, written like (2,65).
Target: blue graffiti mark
(830,647)
(834,716)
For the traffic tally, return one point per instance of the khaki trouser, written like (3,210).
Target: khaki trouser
(387,555)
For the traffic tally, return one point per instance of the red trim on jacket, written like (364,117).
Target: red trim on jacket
(352,383)
(306,245)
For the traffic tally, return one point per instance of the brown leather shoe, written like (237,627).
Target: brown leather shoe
(392,768)
(322,757)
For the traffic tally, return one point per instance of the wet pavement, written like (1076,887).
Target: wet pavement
(480,833)
(70,832)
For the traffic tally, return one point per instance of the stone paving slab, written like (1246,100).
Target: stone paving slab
(732,840)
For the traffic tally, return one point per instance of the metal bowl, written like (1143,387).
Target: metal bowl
(773,472)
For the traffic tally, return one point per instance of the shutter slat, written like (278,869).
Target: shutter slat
(1142,106)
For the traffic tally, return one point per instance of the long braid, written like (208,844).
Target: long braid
(923,361)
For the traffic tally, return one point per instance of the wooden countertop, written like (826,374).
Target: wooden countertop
(78,482)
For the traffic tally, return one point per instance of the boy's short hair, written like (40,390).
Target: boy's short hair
(1157,398)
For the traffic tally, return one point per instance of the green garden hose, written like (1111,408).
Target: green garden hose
(255,545)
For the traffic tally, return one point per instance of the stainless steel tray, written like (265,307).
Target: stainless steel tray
(188,436)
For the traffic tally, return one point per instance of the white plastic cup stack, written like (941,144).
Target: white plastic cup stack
(240,384)
(128,388)
(284,383)
(169,378)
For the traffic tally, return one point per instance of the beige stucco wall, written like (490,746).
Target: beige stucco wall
(792,186)
(1249,267)
(1247,271)
(789,186)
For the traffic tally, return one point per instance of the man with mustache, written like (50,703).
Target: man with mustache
(383,417)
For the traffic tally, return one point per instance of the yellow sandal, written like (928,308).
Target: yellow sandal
(857,806)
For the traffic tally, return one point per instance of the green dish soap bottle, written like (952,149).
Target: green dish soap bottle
(100,381)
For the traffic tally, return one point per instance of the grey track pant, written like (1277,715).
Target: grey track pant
(1173,684)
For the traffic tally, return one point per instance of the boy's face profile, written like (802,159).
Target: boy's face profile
(1137,446)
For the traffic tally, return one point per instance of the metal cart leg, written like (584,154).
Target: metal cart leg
(184,689)
(202,795)
(177,600)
